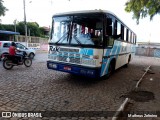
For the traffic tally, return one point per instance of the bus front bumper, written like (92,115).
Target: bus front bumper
(74,69)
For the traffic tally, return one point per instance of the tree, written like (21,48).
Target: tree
(143,8)
(3,9)
(8,27)
(20,28)
(32,27)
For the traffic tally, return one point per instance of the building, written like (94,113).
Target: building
(7,35)
(148,45)
(148,49)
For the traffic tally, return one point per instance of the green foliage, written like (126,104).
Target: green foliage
(32,28)
(7,27)
(20,28)
(3,9)
(42,32)
(143,8)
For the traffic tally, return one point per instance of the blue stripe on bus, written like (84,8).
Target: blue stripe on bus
(107,52)
(115,51)
(86,51)
(119,48)
(104,62)
(104,69)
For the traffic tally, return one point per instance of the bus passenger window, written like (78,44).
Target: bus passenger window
(131,40)
(125,34)
(109,32)
(129,33)
(109,28)
(122,32)
(118,28)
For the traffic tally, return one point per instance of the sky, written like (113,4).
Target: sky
(41,11)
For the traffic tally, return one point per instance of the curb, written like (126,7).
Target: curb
(41,51)
(126,101)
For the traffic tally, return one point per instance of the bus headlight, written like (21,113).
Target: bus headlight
(90,72)
(52,65)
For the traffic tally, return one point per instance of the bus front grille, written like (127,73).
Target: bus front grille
(68,55)
(69,59)
(69,50)
(63,59)
(75,60)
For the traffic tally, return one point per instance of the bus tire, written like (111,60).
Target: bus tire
(129,59)
(111,69)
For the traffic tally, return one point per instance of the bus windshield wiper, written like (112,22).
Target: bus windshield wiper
(62,38)
(77,40)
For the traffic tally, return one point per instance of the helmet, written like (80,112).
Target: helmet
(13,44)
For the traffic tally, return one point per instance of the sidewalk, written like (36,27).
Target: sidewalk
(41,51)
(151,84)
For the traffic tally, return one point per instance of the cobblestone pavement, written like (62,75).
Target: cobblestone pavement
(38,89)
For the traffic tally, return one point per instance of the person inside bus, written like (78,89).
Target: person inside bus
(92,33)
(12,53)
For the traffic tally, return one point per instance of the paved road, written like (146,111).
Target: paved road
(39,89)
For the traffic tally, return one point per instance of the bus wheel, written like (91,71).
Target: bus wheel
(129,59)
(110,70)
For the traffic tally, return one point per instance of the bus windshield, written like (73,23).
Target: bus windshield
(83,29)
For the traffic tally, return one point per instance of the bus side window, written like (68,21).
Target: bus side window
(109,32)
(122,32)
(127,34)
(109,27)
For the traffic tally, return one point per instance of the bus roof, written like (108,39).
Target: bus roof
(83,11)
(89,11)
(9,32)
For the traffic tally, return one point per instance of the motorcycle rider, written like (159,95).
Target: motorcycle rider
(12,52)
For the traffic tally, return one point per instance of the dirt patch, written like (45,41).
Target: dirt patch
(140,96)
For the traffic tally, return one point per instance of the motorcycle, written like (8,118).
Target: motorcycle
(10,61)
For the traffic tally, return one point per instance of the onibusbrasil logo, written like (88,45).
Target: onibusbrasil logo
(21,114)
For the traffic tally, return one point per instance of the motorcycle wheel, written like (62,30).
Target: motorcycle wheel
(6,64)
(27,62)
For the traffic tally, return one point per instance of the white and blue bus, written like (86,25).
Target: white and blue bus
(91,43)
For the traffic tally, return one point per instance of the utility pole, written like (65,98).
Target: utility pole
(25,23)
(15,22)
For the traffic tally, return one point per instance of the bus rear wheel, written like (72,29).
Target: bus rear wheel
(129,59)
(111,69)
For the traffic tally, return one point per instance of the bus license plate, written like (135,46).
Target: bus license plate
(67,68)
